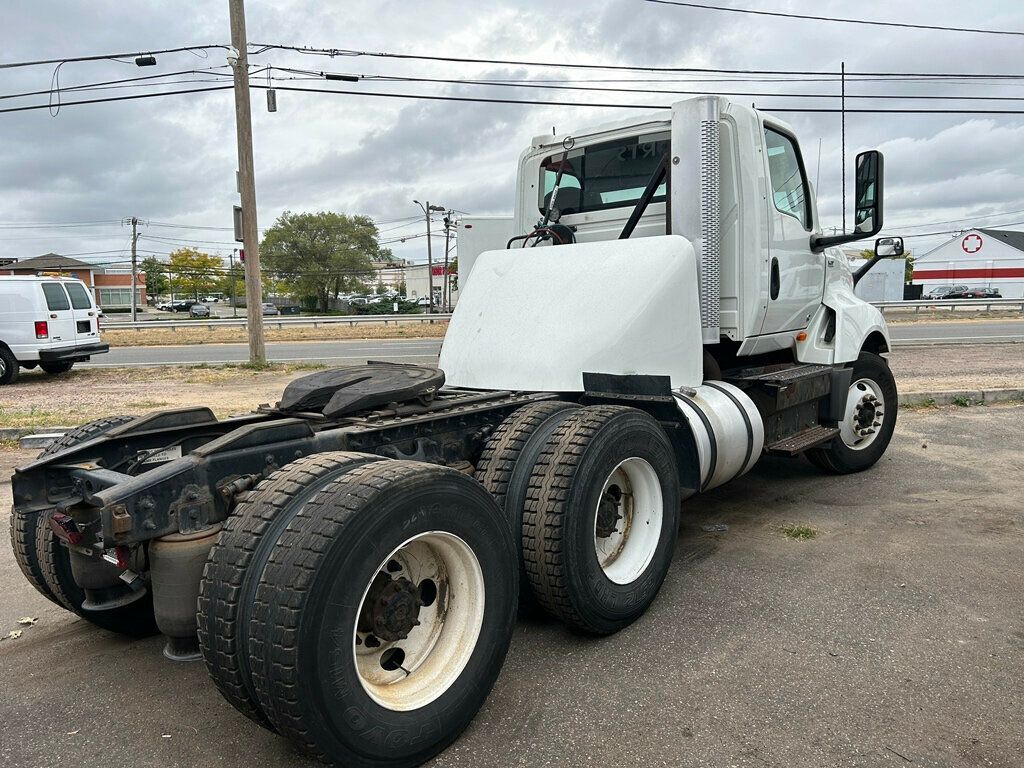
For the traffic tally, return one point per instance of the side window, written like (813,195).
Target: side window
(56,299)
(79,296)
(789,184)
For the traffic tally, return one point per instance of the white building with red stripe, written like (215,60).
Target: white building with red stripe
(979,258)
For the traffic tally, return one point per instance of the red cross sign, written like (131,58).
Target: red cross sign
(971,243)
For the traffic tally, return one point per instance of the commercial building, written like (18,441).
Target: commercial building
(112,290)
(978,258)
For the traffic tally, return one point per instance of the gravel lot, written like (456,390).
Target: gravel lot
(895,637)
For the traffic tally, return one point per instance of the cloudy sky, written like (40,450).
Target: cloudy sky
(67,179)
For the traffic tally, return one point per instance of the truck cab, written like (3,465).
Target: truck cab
(743,199)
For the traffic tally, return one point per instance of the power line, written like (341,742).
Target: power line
(511,83)
(539,102)
(335,52)
(112,56)
(132,97)
(779,14)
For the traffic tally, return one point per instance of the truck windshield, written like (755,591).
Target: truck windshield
(608,175)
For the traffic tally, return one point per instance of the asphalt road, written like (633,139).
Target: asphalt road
(421,350)
(893,638)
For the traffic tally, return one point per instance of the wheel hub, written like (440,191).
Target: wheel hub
(608,512)
(391,608)
(864,415)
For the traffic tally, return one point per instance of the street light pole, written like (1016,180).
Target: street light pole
(239,61)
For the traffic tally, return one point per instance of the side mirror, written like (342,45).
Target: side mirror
(868,194)
(885,248)
(867,200)
(889,247)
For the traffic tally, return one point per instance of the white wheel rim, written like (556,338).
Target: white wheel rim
(433,654)
(634,490)
(865,414)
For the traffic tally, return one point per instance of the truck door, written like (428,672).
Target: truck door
(86,323)
(796,277)
(60,320)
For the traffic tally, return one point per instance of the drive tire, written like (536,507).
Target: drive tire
(304,656)
(24,525)
(53,560)
(9,366)
(836,457)
(560,522)
(57,367)
(507,463)
(236,563)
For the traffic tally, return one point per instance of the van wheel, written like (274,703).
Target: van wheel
(8,366)
(60,366)
(868,421)
(384,615)
(601,518)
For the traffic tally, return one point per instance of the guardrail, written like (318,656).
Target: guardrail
(917,306)
(276,321)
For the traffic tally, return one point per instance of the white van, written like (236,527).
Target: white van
(51,322)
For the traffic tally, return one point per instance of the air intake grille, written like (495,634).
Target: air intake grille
(710,255)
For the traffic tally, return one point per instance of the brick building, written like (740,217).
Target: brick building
(111,290)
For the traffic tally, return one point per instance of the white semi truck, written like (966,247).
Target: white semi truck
(348,561)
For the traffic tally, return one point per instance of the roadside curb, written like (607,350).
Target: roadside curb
(961,397)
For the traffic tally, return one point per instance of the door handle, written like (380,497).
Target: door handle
(775,280)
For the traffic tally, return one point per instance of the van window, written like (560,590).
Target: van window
(79,296)
(56,299)
(789,186)
(608,175)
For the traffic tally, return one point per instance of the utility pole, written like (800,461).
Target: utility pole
(447,235)
(430,253)
(234,306)
(247,184)
(135,240)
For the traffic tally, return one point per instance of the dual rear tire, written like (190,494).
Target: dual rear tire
(361,606)
(594,496)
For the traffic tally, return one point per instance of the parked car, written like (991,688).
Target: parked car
(975,293)
(48,322)
(165,306)
(211,300)
(199,310)
(182,306)
(270,310)
(944,291)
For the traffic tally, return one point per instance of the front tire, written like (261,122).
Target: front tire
(868,422)
(601,518)
(338,660)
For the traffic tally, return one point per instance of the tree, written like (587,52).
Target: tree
(321,255)
(194,272)
(156,276)
(232,284)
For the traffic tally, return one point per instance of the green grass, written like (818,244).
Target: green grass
(799,532)
(963,401)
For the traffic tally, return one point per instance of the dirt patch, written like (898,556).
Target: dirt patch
(158,337)
(901,317)
(37,400)
(958,367)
